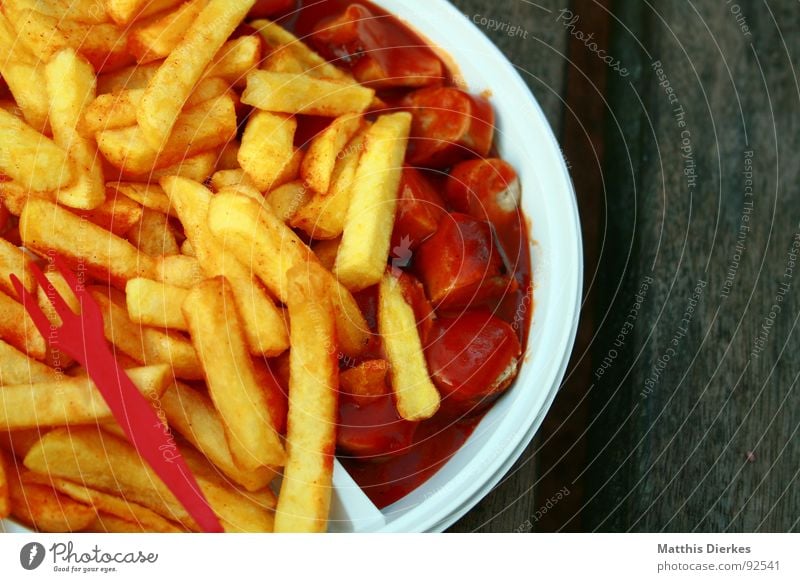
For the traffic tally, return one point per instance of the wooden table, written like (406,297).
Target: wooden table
(680,122)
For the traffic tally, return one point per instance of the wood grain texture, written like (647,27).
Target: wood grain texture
(695,417)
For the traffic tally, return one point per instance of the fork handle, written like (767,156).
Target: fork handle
(149,435)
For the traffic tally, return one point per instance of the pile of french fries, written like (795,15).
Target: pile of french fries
(218,254)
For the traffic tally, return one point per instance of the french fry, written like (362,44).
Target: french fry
(286,200)
(31,159)
(153,235)
(87,12)
(267,147)
(291,55)
(5,499)
(198,129)
(150,196)
(322,154)
(70,401)
(14,261)
(231,377)
(187,249)
(366,381)
(364,250)
(146,345)
(126,11)
(103,503)
(243,190)
(224,178)
(107,463)
(18,368)
(134,77)
(46,227)
(17,328)
(235,59)
(118,110)
(193,415)
(155,39)
(264,327)
(103,45)
(290,93)
(24,74)
(415,394)
(179,270)
(42,508)
(71,87)
(324,215)
(252,233)
(198,167)
(155,304)
(173,82)
(19,442)
(305,495)
(117,214)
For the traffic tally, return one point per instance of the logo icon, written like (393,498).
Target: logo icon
(31,555)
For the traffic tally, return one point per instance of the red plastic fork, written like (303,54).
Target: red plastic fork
(82,338)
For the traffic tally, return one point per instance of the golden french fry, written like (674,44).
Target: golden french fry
(104,462)
(290,93)
(235,59)
(118,110)
(106,523)
(5,499)
(243,190)
(153,235)
(70,401)
(150,196)
(42,508)
(305,495)
(13,261)
(193,415)
(187,249)
(46,227)
(264,327)
(231,376)
(197,168)
(134,77)
(366,381)
(198,129)
(364,250)
(31,159)
(117,214)
(121,509)
(125,11)
(144,344)
(173,82)
(291,55)
(87,12)
(71,87)
(16,327)
(235,177)
(251,232)
(155,39)
(18,368)
(323,216)
(155,304)
(415,394)
(286,200)
(24,74)
(179,270)
(103,45)
(322,154)
(267,147)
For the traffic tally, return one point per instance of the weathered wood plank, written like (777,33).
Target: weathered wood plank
(695,412)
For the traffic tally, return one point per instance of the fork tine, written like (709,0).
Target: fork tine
(32,307)
(52,294)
